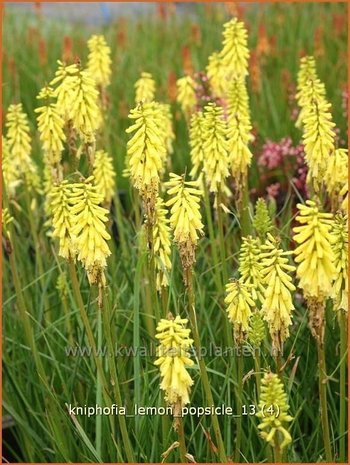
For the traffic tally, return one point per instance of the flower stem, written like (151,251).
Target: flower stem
(182,441)
(257,365)
(342,408)
(202,367)
(323,401)
(114,376)
(99,385)
(239,407)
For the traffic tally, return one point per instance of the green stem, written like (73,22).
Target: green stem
(120,224)
(222,241)
(343,363)
(277,452)
(114,377)
(239,407)
(99,386)
(212,241)
(182,442)
(257,365)
(323,401)
(202,367)
(244,213)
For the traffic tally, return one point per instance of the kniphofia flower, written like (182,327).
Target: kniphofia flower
(99,60)
(314,254)
(239,307)
(186,94)
(273,411)
(185,219)
(104,175)
(88,229)
(145,88)
(277,304)
(235,53)
(215,148)
(162,244)
(196,143)
(173,358)
(339,242)
(250,267)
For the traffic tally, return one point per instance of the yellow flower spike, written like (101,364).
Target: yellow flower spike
(167,126)
(62,219)
(250,267)
(104,175)
(277,304)
(89,230)
(173,358)
(235,53)
(239,307)
(19,145)
(307,72)
(339,242)
(50,126)
(18,135)
(216,75)
(99,60)
(185,219)
(146,152)
(257,330)
(145,89)
(336,175)
(215,147)
(345,195)
(65,78)
(239,130)
(314,254)
(196,143)
(9,170)
(273,412)
(186,94)
(161,244)
(77,100)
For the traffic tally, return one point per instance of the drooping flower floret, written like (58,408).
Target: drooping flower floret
(99,60)
(239,130)
(277,304)
(51,127)
(339,242)
(88,229)
(145,88)
(162,244)
(104,175)
(196,143)
(185,219)
(314,254)
(273,411)
(173,358)
(250,267)
(215,148)
(186,94)
(235,53)
(239,307)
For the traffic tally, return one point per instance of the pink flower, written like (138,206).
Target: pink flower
(273,190)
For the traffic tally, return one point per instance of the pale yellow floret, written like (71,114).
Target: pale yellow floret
(88,229)
(239,307)
(173,358)
(146,150)
(186,94)
(99,60)
(239,129)
(273,411)
(215,148)
(145,88)
(250,267)
(162,244)
(104,175)
(277,304)
(235,54)
(185,219)
(314,254)
(196,143)
(339,242)
(50,126)
(61,217)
